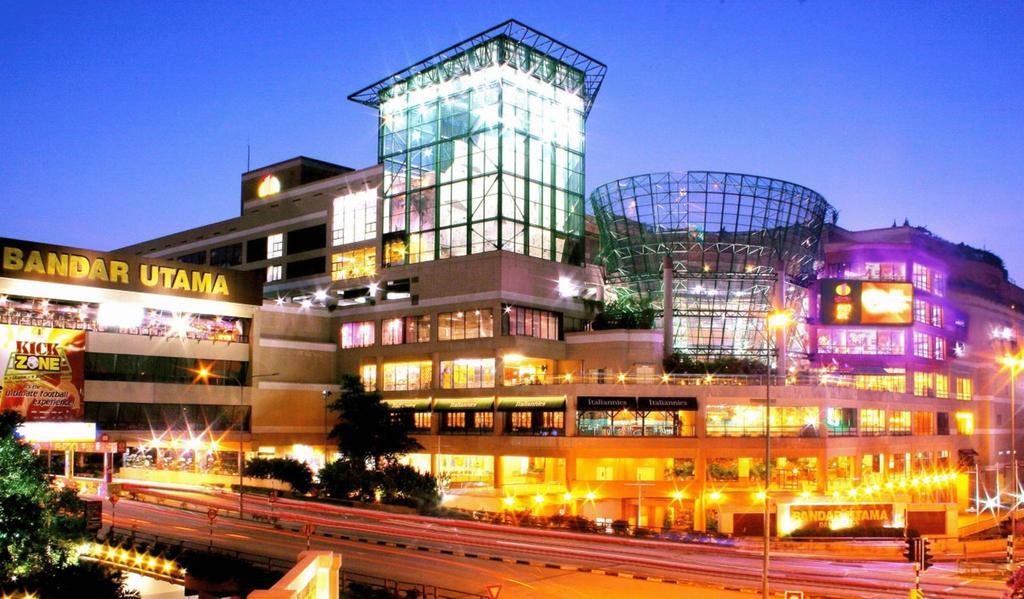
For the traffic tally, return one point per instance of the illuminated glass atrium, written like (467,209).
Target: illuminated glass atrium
(727,236)
(483,148)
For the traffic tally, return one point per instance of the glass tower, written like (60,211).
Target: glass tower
(483,148)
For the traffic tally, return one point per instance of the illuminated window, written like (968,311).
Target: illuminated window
(275,245)
(872,422)
(467,373)
(895,383)
(965,423)
(899,422)
(885,271)
(942,386)
(940,348)
(921,312)
(922,345)
(747,421)
(357,334)
(841,422)
(406,376)
(924,423)
(354,264)
(939,284)
(274,273)
(355,217)
(861,341)
(922,280)
(527,322)
(368,375)
(468,324)
(937,316)
(964,388)
(924,384)
(407,329)
(521,370)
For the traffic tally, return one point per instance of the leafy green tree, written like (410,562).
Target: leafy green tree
(366,434)
(41,528)
(286,470)
(38,527)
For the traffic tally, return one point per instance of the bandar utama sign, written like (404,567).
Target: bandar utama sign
(73,266)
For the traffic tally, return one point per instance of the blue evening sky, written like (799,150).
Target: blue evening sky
(124,121)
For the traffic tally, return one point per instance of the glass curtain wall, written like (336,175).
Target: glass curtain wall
(481,152)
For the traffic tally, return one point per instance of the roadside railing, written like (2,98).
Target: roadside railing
(399,588)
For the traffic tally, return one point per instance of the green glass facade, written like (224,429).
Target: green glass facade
(483,150)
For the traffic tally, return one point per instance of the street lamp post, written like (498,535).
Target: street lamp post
(777,319)
(1014,363)
(204,374)
(327,433)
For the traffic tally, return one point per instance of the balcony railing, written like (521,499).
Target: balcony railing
(724,430)
(738,380)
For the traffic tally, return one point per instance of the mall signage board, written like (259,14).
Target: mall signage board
(32,261)
(842,515)
(845,302)
(43,372)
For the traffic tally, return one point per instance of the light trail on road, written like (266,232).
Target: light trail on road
(692,563)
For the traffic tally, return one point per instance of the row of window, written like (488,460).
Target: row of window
(863,341)
(922,277)
(453,326)
(160,417)
(720,421)
(161,369)
(261,248)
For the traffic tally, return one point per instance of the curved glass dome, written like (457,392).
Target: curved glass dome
(727,235)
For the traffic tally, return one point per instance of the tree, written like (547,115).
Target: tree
(286,470)
(366,433)
(41,528)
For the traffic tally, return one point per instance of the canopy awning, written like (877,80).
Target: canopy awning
(514,404)
(417,405)
(605,403)
(464,404)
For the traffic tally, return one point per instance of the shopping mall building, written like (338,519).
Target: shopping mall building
(461,277)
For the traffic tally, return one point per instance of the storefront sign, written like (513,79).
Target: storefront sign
(866,302)
(512,404)
(469,404)
(416,405)
(73,266)
(846,514)
(43,372)
(667,404)
(607,404)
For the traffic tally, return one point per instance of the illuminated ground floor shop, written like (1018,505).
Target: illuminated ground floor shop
(715,486)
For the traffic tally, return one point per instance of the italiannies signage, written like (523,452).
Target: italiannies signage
(57,264)
(43,372)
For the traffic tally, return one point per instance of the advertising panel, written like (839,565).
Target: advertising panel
(866,303)
(43,372)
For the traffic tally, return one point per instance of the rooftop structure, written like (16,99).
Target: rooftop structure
(727,235)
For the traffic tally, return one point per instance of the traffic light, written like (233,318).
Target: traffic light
(925,554)
(910,551)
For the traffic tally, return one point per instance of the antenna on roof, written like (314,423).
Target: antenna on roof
(248,154)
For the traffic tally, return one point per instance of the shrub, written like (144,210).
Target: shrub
(853,531)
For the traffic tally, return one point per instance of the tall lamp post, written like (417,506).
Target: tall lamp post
(327,433)
(1014,363)
(777,320)
(205,374)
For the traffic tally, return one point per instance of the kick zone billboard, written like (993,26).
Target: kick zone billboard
(43,372)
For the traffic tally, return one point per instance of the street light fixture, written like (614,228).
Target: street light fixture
(326,393)
(205,375)
(776,320)
(1015,364)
